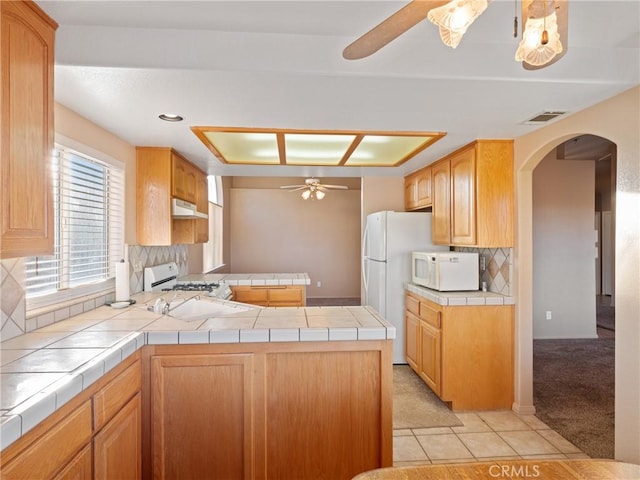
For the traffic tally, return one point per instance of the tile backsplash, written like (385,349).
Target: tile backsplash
(13,315)
(498,270)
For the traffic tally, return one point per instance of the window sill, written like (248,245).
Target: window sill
(59,300)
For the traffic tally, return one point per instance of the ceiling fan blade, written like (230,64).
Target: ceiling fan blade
(297,189)
(391,28)
(338,187)
(562,14)
(294,186)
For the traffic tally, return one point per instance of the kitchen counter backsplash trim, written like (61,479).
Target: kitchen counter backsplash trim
(130,329)
(474,298)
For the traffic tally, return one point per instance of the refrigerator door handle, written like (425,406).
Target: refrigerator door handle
(364,261)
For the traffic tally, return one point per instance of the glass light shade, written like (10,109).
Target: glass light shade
(306,194)
(320,194)
(531,49)
(454,18)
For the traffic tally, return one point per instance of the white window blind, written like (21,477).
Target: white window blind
(88,211)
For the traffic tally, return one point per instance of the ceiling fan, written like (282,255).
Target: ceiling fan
(544,33)
(313,189)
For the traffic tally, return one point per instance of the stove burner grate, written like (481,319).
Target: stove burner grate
(193,287)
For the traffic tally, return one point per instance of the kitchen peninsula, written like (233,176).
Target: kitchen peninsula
(264,392)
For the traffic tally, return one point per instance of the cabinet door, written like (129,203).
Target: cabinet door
(412,339)
(441,213)
(423,188)
(118,446)
(336,398)
(430,356)
(410,192)
(463,198)
(79,468)
(26,128)
(202,422)
(184,179)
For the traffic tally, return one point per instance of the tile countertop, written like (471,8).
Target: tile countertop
(42,370)
(234,279)
(460,298)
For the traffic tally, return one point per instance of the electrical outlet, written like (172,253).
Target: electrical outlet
(137,266)
(548,315)
(319,284)
(483,263)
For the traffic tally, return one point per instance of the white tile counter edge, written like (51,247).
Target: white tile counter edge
(460,298)
(23,417)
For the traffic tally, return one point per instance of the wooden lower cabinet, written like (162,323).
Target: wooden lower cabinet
(464,353)
(412,339)
(118,446)
(80,468)
(81,440)
(202,415)
(321,410)
(271,296)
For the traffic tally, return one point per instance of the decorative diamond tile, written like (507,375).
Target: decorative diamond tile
(12,295)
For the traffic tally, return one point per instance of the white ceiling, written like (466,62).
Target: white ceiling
(278,64)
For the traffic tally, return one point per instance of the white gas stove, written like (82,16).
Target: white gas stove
(162,278)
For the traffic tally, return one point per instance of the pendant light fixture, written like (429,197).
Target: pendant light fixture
(454,18)
(540,40)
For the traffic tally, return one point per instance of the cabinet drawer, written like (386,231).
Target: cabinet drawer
(250,294)
(116,394)
(412,304)
(54,449)
(285,295)
(429,315)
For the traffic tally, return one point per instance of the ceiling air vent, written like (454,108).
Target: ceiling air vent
(543,117)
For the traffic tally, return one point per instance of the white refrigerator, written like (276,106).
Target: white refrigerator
(389,239)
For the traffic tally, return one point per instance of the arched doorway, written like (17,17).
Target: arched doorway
(616,119)
(573,369)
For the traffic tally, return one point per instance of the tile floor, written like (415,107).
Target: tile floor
(484,436)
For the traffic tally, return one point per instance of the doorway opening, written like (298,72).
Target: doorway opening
(573,281)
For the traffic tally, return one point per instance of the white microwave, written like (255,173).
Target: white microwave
(446,271)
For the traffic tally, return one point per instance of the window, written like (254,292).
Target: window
(88,218)
(212,250)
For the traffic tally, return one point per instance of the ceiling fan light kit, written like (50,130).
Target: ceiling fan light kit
(313,189)
(541,46)
(540,40)
(454,18)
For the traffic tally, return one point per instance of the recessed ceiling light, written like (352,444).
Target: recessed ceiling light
(170,117)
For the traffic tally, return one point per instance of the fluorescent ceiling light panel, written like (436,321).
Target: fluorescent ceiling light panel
(246,148)
(384,150)
(261,146)
(316,149)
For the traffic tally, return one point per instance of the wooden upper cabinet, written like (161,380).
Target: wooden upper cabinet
(462,167)
(417,189)
(441,213)
(184,179)
(473,196)
(26,128)
(161,175)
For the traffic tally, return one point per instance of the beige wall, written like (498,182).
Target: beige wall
(618,120)
(274,230)
(78,128)
(564,276)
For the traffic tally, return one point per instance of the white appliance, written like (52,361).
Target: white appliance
(446,271)
(389,239)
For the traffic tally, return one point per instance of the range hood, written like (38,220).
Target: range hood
(183,209)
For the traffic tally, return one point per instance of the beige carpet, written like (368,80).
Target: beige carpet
(415,405)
